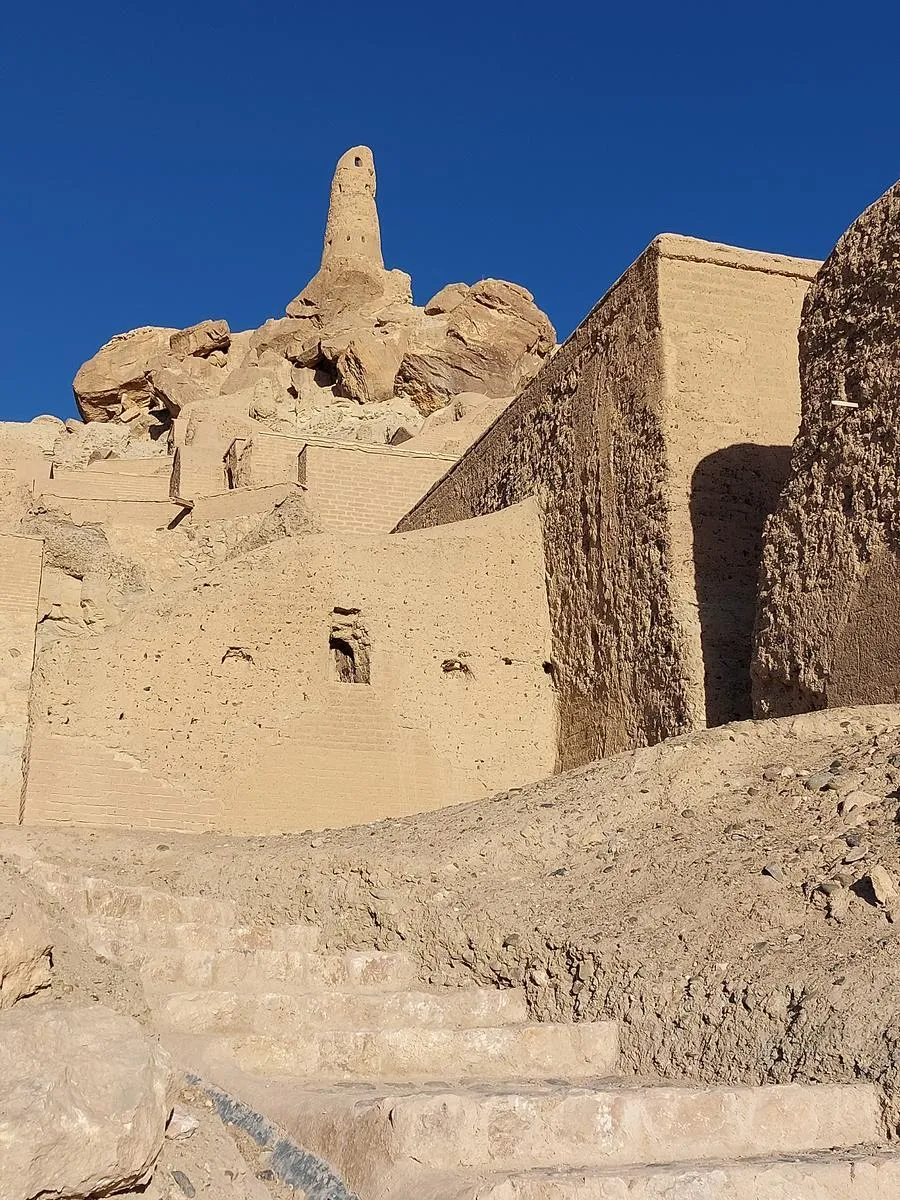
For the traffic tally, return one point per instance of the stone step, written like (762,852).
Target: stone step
(89,897)
(514,1127)
(280,1014)
(126,939)
(527,1051)
(875,1176)
(291,971)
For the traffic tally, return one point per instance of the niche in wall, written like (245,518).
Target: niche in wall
(348,646)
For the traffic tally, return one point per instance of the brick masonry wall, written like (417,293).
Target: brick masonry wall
(730,320)
(79,781)
(242,700)
(107,485)
(346,758)
(126,514)
(626,438)
(197,471)
(20,585)
(270,458)
(366,489)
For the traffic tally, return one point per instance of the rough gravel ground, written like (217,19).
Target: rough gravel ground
(714,893)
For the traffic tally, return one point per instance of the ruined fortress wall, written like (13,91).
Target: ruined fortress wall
(77,780)
(729,321)
(20,585)
(264,459)
(585,438)
(110,485)
(354,488)
(241,700)
(647,442)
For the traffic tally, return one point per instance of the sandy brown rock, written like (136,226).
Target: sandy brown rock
(294,338)
(493,341)
(79,444)
(177,388)
(201,339)
(353,331)
(25,945)
(84,1100)
(455,427)
(448,298)
(118,375)
(828,623)
(367,368)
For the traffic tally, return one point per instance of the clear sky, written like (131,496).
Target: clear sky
(166,162)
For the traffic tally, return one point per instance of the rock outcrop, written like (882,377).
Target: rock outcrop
(828,626)
(492,340)
(84,1100)
(117,378)
(25,945)
(350,340)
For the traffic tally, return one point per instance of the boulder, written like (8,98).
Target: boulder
(25,945)
(828,622)
(353,289)
(202,339)
(296,339)
(366,367)
(217,421)
(447,299)
(176,388)
(84,1100)
(493,342)
(118,376)
(311,387)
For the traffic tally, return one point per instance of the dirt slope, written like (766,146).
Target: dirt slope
(636,887)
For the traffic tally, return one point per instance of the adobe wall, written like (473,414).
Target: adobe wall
(240,707)
(352,487)
(264,459)
(77,780)
(20,585)
(729,320)
(115,482)
(647,442)
(355,488)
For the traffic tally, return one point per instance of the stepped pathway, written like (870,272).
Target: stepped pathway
(454,1094)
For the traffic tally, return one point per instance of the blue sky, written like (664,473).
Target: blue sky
(164,163)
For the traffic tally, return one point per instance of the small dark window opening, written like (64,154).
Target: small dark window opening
(348,644)
(344,660)
(357,162)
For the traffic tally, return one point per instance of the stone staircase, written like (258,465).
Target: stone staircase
(454,1094)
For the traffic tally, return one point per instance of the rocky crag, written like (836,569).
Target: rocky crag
(352,358)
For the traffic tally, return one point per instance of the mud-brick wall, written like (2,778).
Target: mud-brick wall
(730,320)
(264,459)
(241,709)
(20,586)
(353,488)
(585,438)
(687,357)
(79,781)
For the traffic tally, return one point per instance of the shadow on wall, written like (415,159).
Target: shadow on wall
(732,493)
